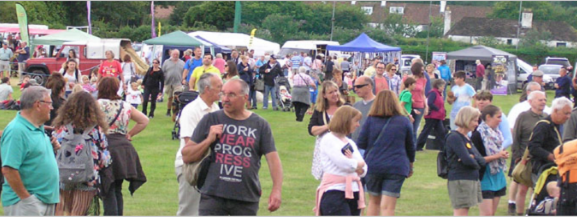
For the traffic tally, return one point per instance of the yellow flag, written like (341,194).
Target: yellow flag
(159,26)
(251,37)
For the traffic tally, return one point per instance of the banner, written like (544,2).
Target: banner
(159,27)
(152,14)
(23,23)
(437,57)
(237,16)
(497,80)
(88,6)
(251,37)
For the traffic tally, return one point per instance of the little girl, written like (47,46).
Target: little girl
(133,95)
(94,84)
(87,86)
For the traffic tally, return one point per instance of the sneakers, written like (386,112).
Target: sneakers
(168,113)
(275,109)
(512,209)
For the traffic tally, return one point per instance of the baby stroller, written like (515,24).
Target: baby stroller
(541,203)
(181,99)
(283,94)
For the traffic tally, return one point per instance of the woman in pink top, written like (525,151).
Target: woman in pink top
(420,107)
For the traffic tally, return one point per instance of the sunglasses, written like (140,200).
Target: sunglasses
(155,63)
(360,86)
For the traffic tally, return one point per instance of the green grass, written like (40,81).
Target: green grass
(422,194)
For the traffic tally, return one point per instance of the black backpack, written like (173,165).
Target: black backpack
(442,162)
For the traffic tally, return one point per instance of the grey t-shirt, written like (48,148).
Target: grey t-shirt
(360,105)
(234,172)
(172,72)
(5,90)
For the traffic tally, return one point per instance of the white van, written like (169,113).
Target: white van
(524,70)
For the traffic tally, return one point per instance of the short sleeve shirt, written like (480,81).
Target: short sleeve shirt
(407,97)
(199,71)
(23,57)
(190,65)
(233,172)
(110,69)
(5,91)
(27,149)
(172,72)
(296,62)
(464,95)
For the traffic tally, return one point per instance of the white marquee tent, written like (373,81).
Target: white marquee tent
(239,40)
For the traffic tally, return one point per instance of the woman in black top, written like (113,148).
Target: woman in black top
(57,85)
(328,101)
(245,73)
(153,83)
(464,162)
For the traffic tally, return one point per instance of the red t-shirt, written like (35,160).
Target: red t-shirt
(110,69)
(381,84)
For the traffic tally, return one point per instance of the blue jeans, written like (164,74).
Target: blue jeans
(417,122)
(252,97)
(272,91)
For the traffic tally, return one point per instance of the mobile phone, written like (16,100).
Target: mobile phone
(347,147)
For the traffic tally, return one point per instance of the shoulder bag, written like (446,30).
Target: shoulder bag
(317,168)
(522,171)
(196,173)
(442,162)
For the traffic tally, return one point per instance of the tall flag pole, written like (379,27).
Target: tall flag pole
(237,14)
(22,22)
(88,6)
(152,14)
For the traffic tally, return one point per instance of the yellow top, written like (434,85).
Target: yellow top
(199,71)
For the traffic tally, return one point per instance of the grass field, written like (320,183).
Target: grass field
(422,194)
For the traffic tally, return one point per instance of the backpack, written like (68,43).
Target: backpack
(442,162)
(75,161)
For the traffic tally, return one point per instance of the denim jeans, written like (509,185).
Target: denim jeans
(272,91)
(417,123)
(252,98)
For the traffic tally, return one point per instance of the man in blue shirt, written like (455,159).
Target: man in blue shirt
(562,84)
(23,56)
(190,65)
(28,162)
(296,61)
(445,72)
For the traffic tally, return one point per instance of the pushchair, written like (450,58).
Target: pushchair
(181,99)
(283,99)
(541,204)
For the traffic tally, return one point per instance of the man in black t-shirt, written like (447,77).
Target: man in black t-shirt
(238,139)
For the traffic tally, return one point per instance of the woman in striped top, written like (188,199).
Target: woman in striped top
(301,97)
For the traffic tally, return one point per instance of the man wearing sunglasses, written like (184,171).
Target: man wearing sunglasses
(364,89)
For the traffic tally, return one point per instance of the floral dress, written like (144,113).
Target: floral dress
(99,148)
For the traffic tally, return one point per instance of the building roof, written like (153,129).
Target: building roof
(471,26)
(419,13)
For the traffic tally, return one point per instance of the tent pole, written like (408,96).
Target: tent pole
(333,20)
(428,31)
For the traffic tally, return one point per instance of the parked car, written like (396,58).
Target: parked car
(551,70)
(523,72)
(562,61)
(90,55)
(406,63)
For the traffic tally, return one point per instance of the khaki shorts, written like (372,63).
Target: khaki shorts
(170,89)
(464,193)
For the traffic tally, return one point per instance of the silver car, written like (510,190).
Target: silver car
(551,70)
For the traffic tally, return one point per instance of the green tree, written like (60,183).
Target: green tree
(281,27)
(180,9)
(488,41)
(394,24)
(534,39)
(510,10)
(217,13)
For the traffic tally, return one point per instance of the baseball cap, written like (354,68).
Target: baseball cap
(538,73)
(273,56)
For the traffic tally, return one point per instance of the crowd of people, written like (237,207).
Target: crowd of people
(361,146)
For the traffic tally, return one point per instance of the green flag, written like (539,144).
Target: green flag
(237,13)
(23,23)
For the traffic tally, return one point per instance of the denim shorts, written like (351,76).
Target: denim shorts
(385,184)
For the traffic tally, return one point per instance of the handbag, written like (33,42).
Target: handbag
(192,171)
(259,85)
(317,168)
(522,171)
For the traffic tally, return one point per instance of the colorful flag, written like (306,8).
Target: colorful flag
(159,28)
(237,17)
(152,14)
(23,23)
(88,6)
(251,37)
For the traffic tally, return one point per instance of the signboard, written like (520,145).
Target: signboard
(437,57)
(497,81)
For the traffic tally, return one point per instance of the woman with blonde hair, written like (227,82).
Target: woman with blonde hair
(187,55)
(328,101)
(387,137)
(341,190)
(464,162)
(82,114)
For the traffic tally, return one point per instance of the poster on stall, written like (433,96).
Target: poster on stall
(497,81)
(437,57)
